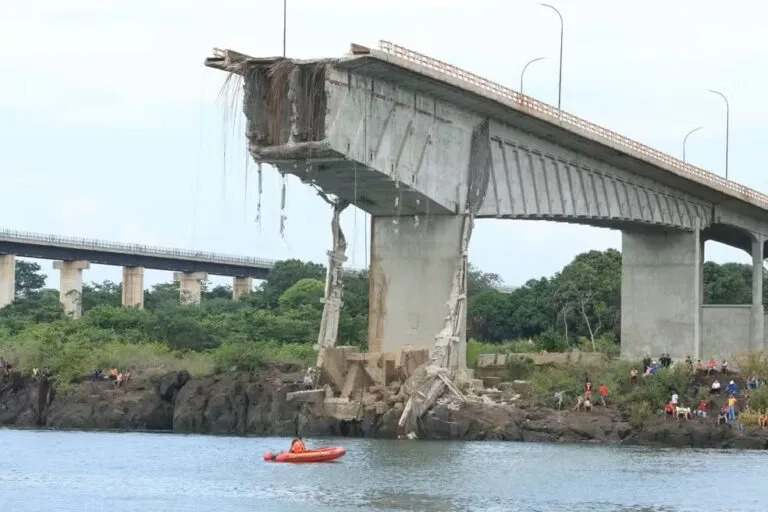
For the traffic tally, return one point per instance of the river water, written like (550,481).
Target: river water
(44,471)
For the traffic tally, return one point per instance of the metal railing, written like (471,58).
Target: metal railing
(8,235)
(135,249)
(559,117)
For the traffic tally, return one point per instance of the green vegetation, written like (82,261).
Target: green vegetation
(576,308)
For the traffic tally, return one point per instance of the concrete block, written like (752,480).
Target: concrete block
(332,366)
(314,396)
(381,407)
(477,384)
(485,360)
(356,381)
(409,358)
(341,409)
(501,359)
(491,382)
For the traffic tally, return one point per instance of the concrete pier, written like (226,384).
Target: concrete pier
(7,279)
(412,270)
(661,294)
(71,287)
(133,287)
(757,317)
(241,286)
(190,286)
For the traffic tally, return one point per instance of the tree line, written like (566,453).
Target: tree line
(579,304)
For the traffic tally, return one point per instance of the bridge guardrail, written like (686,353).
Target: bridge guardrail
(138,249)
(564,118)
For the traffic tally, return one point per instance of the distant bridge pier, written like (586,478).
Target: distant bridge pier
(190,286)
(413,266)
(241,286)
(133,287)
(7,279)
(71,285)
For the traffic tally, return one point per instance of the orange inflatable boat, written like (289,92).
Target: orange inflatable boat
(316,455)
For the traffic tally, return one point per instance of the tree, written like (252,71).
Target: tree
(28,278)
(106,293)
(305,292)
(284,274)
(479,281)
(591,286)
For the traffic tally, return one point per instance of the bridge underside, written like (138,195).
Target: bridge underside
(417,153)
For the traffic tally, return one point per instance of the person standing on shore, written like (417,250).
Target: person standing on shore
(603,389)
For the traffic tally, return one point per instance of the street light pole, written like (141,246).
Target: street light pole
(522,73)
(727,126)
(685,139)
(560,75)
(285,22)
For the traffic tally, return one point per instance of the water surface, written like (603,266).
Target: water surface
(79,471)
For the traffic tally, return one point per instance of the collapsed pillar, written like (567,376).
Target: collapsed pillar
(661,293)
(190,286)
(71,285)
(241,286)
(329,323)
(412,273)
(133,287)
(7,279)
(756,327)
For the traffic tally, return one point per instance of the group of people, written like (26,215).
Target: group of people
(117,377)
(585,400)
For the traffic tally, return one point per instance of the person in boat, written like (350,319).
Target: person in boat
(297,446)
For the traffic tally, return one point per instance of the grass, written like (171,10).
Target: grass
(70,361)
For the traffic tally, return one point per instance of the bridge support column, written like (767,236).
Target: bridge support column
(190,286)
(71,285)
(133,287)
(241,286)
(7,279)
(661,293)
(757,318)
(411,277)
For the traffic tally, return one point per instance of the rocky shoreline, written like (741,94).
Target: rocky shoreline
(250,404)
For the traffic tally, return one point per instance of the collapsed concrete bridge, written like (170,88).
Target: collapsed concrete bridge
(425,148)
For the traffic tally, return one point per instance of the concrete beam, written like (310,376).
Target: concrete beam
(241,286)
(71,285)
(661,294)
(412,270)
(190,286)
(133,287)
(7,279)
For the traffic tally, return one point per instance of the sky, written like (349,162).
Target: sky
(112,128)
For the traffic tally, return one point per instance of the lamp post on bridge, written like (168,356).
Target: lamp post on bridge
(560,74)
(727,126)
(522,73)
(685,139)
(285,22)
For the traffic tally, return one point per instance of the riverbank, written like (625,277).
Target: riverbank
(258,404)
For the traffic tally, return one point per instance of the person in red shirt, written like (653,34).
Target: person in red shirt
(603,393)
(703,407)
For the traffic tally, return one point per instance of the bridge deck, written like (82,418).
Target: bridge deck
(34,245)
(421,73)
